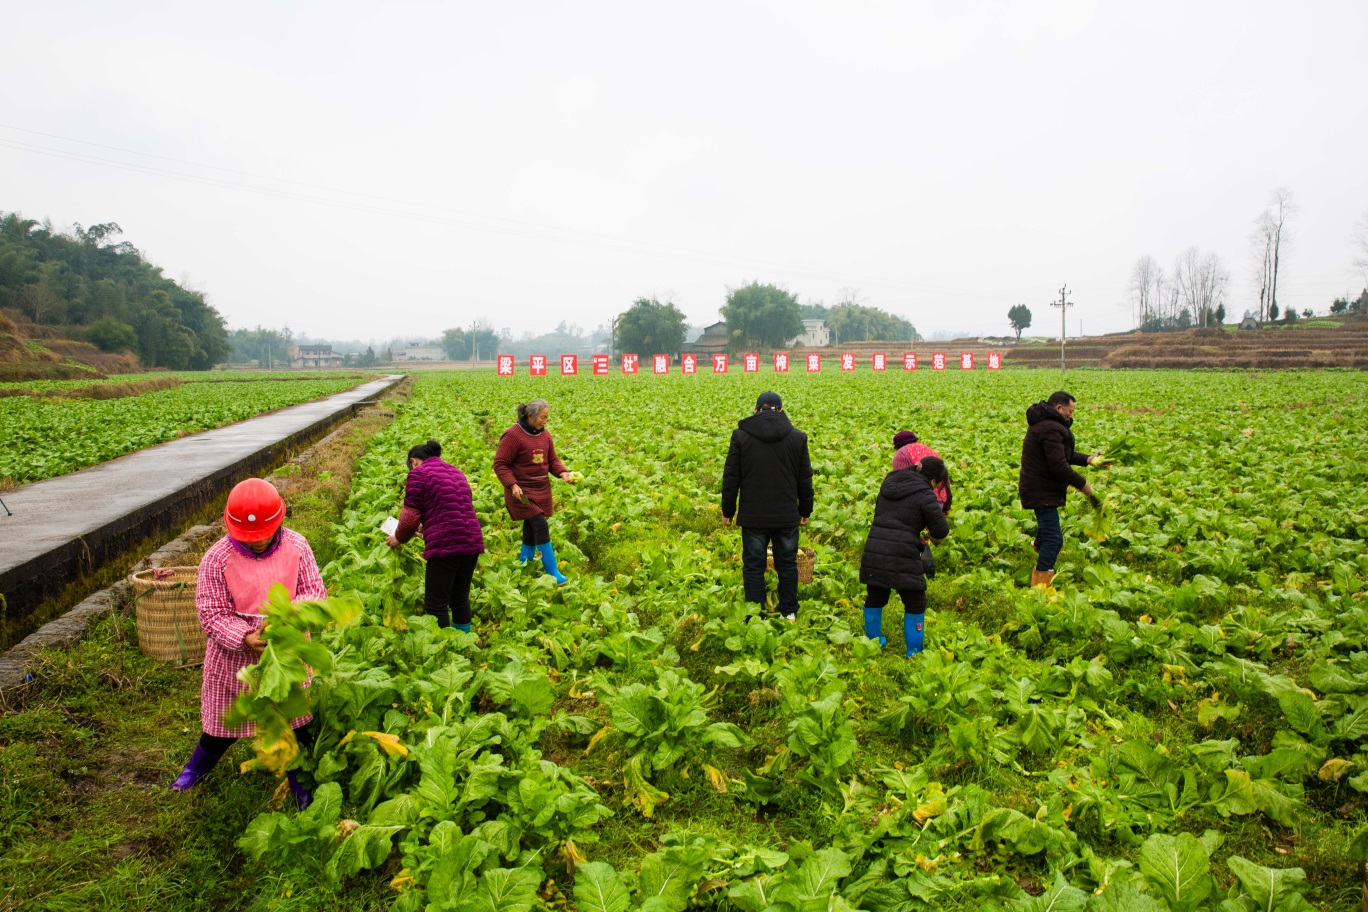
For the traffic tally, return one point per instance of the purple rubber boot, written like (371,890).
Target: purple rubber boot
(302,796)
(201,762)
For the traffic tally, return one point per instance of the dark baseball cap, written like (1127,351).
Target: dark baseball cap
(769,400)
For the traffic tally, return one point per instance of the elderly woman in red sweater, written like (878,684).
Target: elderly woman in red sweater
(524,463)
(437,500)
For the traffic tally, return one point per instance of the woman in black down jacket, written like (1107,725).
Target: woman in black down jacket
(906,508)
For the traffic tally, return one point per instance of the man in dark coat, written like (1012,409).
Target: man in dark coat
(768,466)
(1047,461)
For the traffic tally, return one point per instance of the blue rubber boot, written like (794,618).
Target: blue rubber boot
(464,628)
(548,553)
(526,553)
(874,624)
(914,630)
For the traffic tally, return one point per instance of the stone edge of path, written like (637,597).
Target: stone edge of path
(73,625)
(28,583)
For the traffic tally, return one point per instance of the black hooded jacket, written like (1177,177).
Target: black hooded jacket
(768,465)
(892,553)
(1047,457)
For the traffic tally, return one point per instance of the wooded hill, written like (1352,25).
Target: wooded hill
(88,286)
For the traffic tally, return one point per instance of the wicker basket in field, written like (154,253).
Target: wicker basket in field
(807,559)
(168,624)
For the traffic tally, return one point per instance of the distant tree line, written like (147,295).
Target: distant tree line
(758,316)
(93,287)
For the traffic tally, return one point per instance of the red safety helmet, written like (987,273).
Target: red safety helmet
(255,510)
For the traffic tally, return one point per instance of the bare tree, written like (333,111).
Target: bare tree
(1187,280)
(1361,246)
(1146,289)
(1200,285)
(1272,225)
(1215,281)
(1261,242)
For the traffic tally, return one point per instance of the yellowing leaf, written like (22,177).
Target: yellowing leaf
(932,804)
(715,779)
(928,865)
(1334,769)
(388,743)
(402,881)
(598,736)
(572,855)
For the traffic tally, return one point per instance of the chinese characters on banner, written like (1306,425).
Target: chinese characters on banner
(538,365)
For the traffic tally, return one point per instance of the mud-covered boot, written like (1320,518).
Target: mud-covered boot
(1040,579)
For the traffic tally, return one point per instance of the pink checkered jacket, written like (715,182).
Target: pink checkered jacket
(230,590)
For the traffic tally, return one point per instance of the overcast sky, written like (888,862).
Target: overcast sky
(369,170)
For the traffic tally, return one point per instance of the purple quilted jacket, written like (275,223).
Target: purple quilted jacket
(440,495)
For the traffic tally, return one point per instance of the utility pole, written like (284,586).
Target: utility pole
(1063,304)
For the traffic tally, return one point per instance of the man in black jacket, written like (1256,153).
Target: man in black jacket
(1047,461)
(768,465)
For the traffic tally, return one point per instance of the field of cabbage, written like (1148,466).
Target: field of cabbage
(1182,725)
(44,437)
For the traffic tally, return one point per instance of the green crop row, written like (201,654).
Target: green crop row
(41,438)
(1182,726)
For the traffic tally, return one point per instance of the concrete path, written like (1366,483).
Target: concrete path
(71,524)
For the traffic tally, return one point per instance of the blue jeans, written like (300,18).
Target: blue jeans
(785,545)
(1049,537)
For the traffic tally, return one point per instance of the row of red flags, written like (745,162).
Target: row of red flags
(599,365)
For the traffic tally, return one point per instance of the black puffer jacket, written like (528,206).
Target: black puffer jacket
(768,465)
(1047,457)
(892,553)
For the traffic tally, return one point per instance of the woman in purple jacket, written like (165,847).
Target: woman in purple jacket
(437,501)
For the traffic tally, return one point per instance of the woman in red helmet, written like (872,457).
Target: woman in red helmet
(235,576)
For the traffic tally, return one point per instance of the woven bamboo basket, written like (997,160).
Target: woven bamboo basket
(807,559)
(168,624)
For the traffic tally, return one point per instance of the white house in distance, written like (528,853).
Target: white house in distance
(313,356)
(815,335)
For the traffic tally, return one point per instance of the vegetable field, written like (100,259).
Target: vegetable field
(41,438)
(1182,725)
